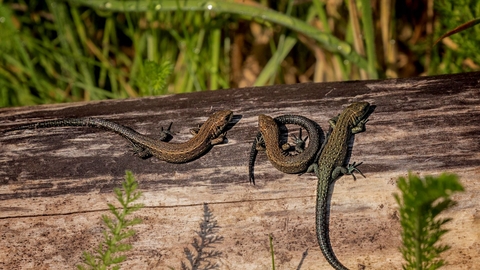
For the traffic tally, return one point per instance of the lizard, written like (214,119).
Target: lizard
(268,139)
(331,165)
(207,135)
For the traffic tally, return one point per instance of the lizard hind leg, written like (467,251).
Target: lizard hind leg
(299,142)
(141,151)
(351,168)
(166,134)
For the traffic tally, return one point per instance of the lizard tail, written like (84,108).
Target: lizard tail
(123,131)
(322,225)
(88,122)
(252,157)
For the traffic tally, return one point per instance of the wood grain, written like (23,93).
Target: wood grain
(55,183)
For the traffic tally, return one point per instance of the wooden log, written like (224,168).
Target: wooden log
(56,182)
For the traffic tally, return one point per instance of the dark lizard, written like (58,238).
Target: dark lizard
(331,165)
(209,134)
(269,135)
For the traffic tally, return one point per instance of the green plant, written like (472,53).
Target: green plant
(106,256)
(80,50)
(154,77)
(457,53)
(421,201)
(272,252)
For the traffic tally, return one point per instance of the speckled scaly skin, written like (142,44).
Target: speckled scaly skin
(270,135)
(210,133)
(331,165)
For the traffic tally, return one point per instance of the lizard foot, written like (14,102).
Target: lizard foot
(299,142)
(166,134)
(220,139)
(351,168)
(141,152)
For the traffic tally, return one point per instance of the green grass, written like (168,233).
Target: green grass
(457,53)
(80,50)
(59,51)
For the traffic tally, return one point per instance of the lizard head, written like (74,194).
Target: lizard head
(219,121)
(266,123)
(269,129)
(360,111)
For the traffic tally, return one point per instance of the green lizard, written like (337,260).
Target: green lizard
(331,165)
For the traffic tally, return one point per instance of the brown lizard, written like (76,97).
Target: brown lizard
(209,134)
(269,135)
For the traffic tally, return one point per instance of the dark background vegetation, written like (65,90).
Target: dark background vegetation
(79,50)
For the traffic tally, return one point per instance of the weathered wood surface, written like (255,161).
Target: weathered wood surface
(55,183)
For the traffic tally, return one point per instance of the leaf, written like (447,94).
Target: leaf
(421,201)
(459,28)
(118,228)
